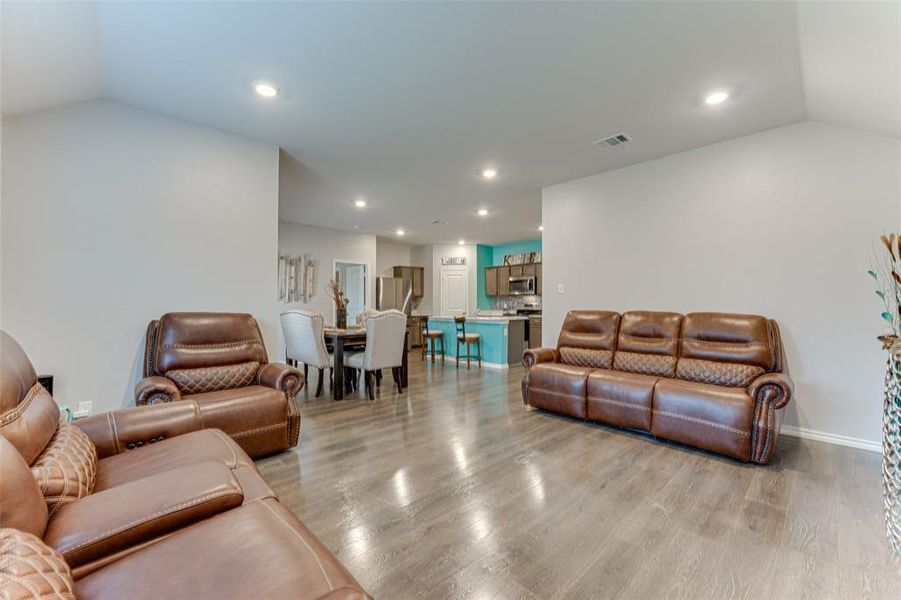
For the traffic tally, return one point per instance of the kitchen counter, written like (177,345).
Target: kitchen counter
(502,338)
(500,319)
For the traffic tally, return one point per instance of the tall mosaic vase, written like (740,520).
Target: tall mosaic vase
(891,451)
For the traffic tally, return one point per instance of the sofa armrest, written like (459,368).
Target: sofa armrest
(129,428)
(777,386)
(156,389)
(534,356)
(130,514)
(280,376)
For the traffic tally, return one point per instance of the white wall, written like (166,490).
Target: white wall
(389,255)
(780,223)
(324,246)
(112,216)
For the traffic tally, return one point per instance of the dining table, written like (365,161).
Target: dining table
(340,339)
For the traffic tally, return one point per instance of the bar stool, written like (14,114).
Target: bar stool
(468,339)
(430,336)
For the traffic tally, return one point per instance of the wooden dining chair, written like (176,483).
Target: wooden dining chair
(431,337)
(468,340)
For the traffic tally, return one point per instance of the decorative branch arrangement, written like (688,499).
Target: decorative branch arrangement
(887,277)
(333,289)
(887,274)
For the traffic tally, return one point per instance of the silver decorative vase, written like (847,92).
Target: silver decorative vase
(891,452)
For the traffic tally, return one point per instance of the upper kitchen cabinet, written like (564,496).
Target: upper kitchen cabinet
(491,281)
(503,281)
(416,276)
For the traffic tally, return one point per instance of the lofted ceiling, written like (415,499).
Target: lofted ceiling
(402,104)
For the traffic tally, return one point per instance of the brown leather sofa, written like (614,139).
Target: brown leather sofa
(710,380)
(141,503)
(218,360)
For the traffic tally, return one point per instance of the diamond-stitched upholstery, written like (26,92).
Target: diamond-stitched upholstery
(646,364)
(213,379)
(584,357)
(67,468)
(29,569)
(717,373)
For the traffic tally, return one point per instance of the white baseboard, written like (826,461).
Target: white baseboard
(475,363)
(831,438)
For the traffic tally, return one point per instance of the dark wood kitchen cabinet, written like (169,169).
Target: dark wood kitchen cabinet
(416,276)
(503,281)
(538,285)
(491,281)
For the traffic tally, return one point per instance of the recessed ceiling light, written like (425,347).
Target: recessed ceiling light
(399,231)
(357,227)
(489,173)
(716,98)
(360,203)
(266,90)
(462,242)
(483,212)
(541,228)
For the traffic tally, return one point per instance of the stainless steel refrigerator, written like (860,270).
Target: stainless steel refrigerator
(394,292)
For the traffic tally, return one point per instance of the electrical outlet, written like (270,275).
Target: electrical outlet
(84,409)
(559,288)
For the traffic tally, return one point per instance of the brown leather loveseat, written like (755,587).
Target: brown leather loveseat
(218,360)
(710,380)
(141,503)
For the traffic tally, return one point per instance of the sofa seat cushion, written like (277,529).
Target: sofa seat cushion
(621,399)
(67,468)
(558,388)
(254,416)
(116,520)
(259,550)
(711,417)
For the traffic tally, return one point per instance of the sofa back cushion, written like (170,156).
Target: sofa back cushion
(67,468)
(28,415)
(193,345)
(21,504)
(588,338)
(725,349)
(213,379)
(648,343)
(29,569)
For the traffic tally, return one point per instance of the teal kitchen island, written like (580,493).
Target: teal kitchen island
(503,338)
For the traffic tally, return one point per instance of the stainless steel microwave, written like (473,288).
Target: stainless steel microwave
(522,286)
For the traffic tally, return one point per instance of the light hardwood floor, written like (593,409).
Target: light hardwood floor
(456,490)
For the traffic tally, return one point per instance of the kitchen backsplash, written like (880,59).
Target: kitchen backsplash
(516,302)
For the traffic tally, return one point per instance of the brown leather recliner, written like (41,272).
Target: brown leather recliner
(141,503)
(218,360)
(711,380)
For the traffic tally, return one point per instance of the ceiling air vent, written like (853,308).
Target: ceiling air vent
(613,141)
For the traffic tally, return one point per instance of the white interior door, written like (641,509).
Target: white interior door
(454,291)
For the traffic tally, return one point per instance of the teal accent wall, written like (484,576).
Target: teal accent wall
(498,252)
(490,256)
(484,258)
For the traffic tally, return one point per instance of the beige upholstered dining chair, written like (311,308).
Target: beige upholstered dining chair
(385,333)
(305,342)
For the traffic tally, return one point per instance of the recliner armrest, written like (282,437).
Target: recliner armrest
(156,389)
(130,428)
(130,514)
(534,356)
(777,386)
(280,376)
